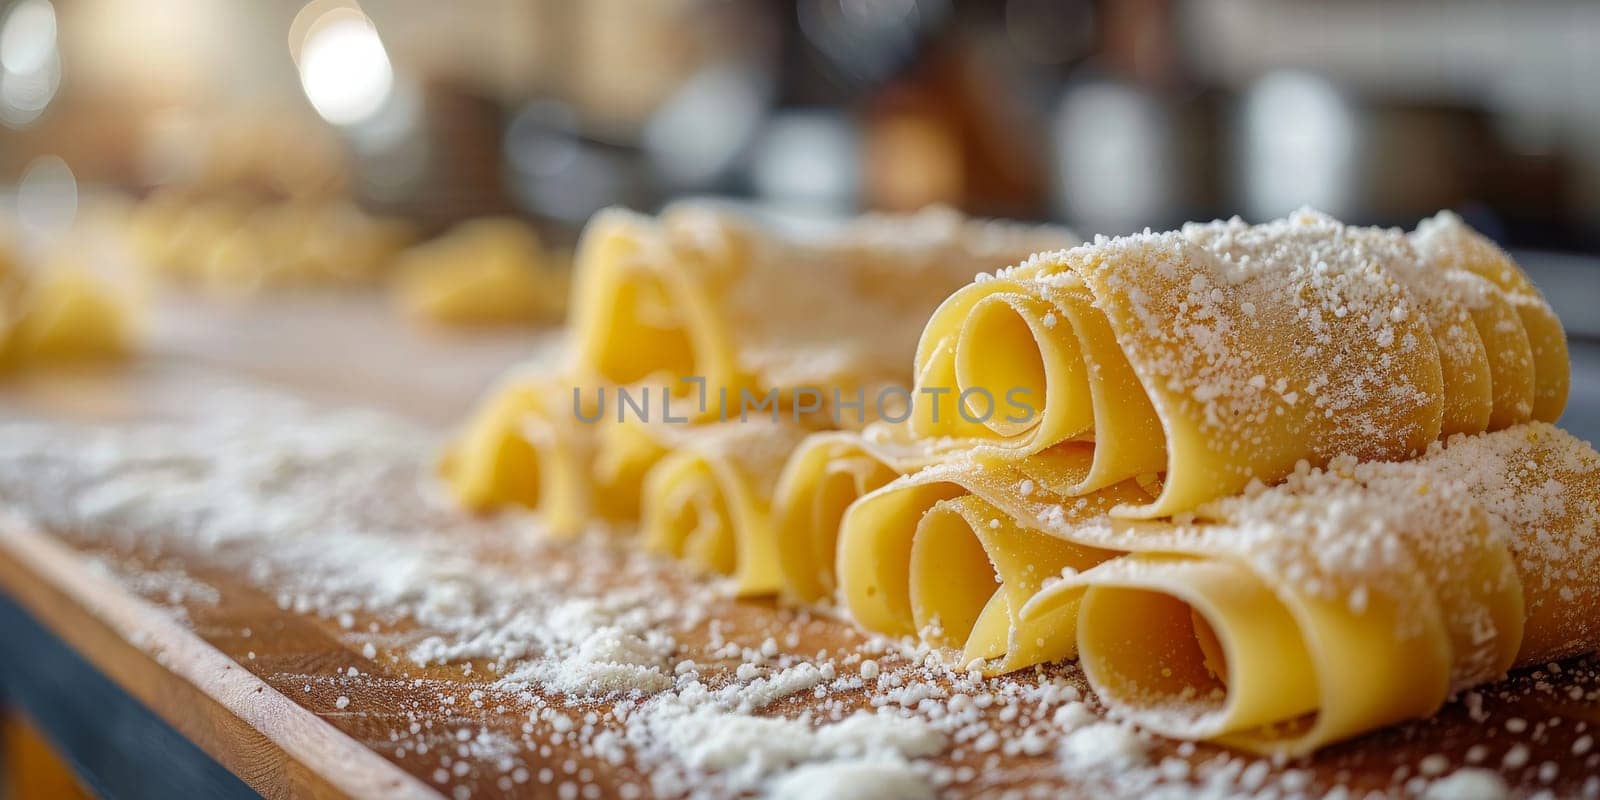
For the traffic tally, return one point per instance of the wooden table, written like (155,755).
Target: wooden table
(267,692)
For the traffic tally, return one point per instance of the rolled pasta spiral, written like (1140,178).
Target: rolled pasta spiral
(711,306)
(706,293)
(1345,600)
(1226,353)
(523,448)
(1276,621)
(709,501)
(828,472)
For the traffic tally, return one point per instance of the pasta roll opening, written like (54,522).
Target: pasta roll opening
(951,578)
(1194,647)
(875,540)
(647,335)
(809,529)
(493,465)
(635,312)
(1214,657)
(710,501)
(512,453)
(1011,359)
(687,515)
(1153,649)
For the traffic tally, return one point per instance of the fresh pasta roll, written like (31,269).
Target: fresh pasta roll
(629,444)
(525,447)
(706,293)
(64,315)
(825,474)
(951,554)
(625,451)
(1450,244)
(485,271)
(731,319)
(1226,353)
(1346,600)
(709,501)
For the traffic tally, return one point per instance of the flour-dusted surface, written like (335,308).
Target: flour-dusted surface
(308,546)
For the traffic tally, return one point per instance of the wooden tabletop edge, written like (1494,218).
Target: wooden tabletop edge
(44,567)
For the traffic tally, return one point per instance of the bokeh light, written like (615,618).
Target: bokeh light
(1299,146)
(47,197)
(344,69)
(30,63)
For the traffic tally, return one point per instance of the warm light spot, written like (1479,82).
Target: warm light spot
(344,68)
(30,65)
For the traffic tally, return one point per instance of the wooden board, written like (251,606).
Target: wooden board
(268,690)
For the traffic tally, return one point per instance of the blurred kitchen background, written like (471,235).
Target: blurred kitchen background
(402,117)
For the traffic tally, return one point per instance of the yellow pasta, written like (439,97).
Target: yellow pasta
(481,272)
(1276,622)
(525,447)
(825,474)
(237,244)
(61,314)
(1173,371)
(733,319)
(1226,353)
(626,451)
(710,500)
(707,293)
(1452,245)
(952,552)
(1345,600)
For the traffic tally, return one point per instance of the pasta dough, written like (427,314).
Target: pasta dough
(1344,600)
(523,447)
(709,501)
(481,272)
(1176,370)
(1278,621)
(1452,245)
(707,293)
(754,313)
(951,553)
(1225,353)
(825,474)
(61,314)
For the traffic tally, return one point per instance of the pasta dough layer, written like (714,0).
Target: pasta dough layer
(61,314)
(1226,353)
(481,272)
(825,474)
(1278,621)
(952,552)
(709,501)
(749,315)
(524,447)
(1344,600)
(708,293)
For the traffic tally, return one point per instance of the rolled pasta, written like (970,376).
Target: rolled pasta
(1226,353)
(749,315)
(709,501)
(525,447)
(707,293)
(951,553)
(486,271)
(626,451)
(1450,244)
(62,314)
(1345,600)
(825,474)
